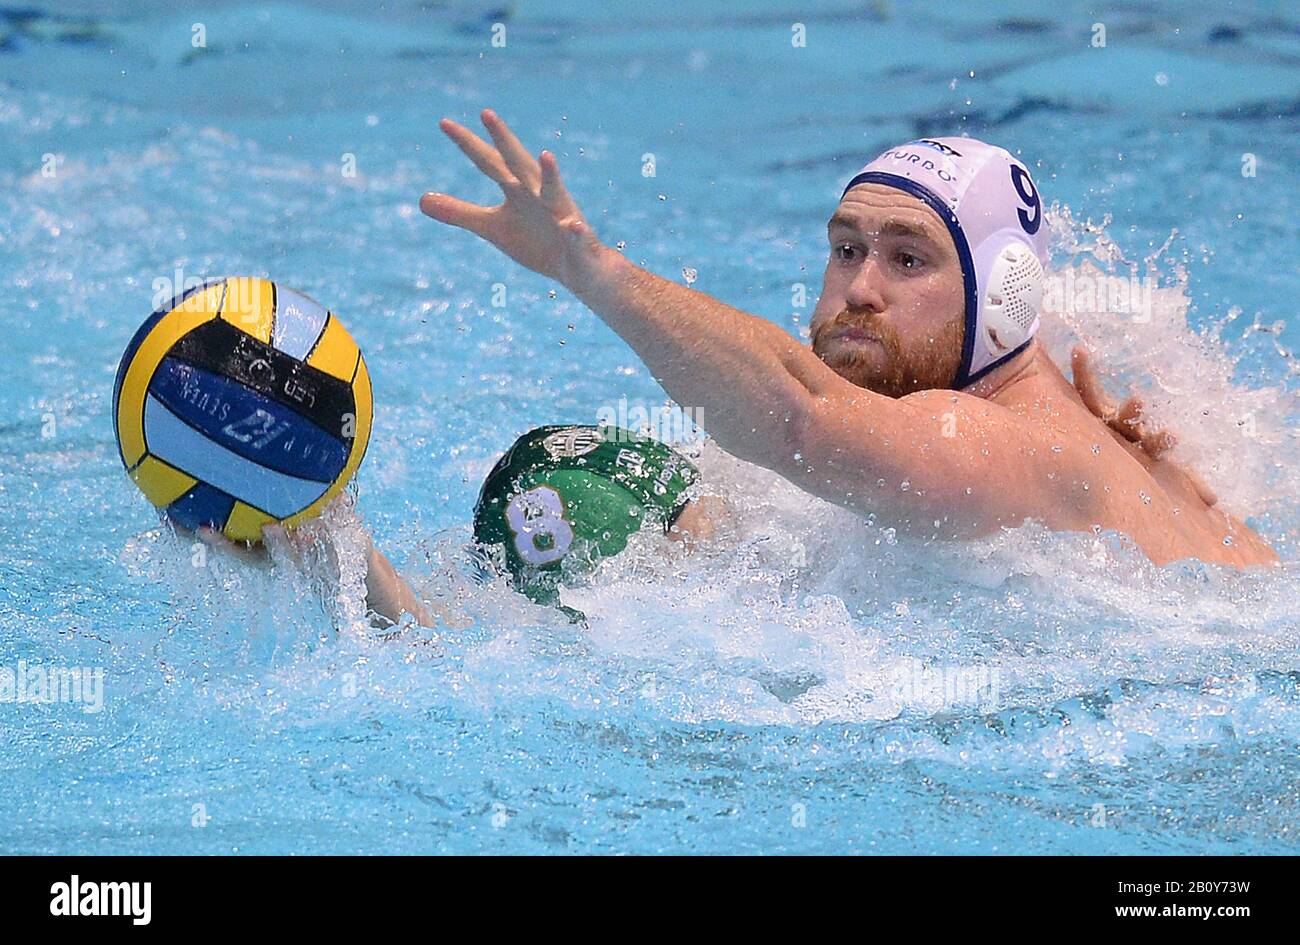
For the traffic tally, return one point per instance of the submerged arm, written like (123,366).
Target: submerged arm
(387,592)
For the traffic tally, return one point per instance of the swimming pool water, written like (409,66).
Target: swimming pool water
(806,683)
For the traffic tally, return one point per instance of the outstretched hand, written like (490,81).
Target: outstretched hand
(1129,421)
(538,225)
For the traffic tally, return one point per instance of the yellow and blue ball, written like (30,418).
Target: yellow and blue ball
(241,403)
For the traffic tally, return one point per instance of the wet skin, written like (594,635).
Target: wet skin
(1061,463)
(862,417)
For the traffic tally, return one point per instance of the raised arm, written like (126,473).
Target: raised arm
(743,373)
(751,383)
(763,396)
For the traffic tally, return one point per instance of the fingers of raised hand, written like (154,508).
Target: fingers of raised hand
(1132,422)
(485,157)
(1159,443)
(554,194)
(1128,418)
(451,210)
(521,164)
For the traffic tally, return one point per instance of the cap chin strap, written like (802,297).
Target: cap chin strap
(1015,285)
(988,368)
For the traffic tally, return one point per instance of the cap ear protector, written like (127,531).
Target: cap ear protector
(992,210)
(1011,299)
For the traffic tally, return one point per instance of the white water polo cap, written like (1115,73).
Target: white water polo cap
(992,210)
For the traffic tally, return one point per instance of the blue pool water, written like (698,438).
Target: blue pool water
(807,682)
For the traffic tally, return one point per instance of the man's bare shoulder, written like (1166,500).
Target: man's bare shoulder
(1072,471)
(1008,460)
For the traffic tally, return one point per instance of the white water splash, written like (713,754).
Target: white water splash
(1238,432)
